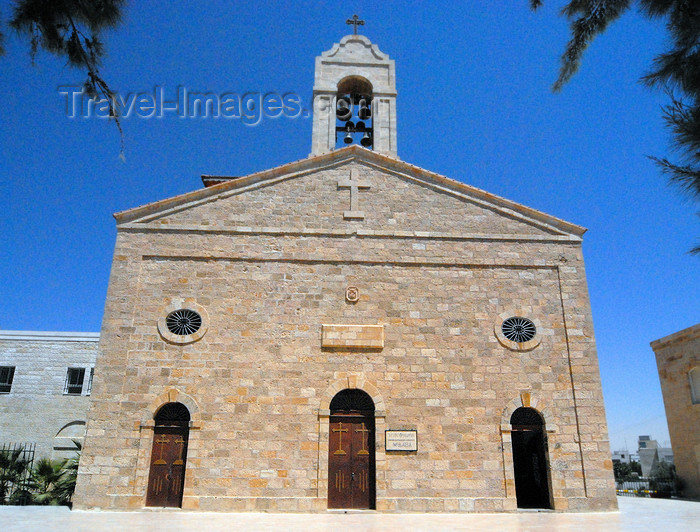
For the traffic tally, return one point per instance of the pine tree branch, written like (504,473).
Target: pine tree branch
(56,26)
(678,69)
(94,84)
(687,177)
(591,18)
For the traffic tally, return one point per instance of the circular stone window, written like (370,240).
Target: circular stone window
(183,322)
(518,329)
(516,332)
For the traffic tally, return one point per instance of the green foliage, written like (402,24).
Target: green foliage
(627,472)
(65,487)
(45,476)
(588,20)
(13,471)
(663,479)
(48,483)
(71,29)
(677,71)
(21,497)
(663,470)
(620,470)
(636,468)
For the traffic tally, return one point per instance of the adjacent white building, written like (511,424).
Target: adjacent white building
(45,384)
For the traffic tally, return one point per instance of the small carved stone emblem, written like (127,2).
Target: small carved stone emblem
(352,294)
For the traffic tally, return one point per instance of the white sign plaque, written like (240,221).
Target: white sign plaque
(401,440)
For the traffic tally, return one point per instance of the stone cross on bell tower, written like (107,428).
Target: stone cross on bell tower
(354,73)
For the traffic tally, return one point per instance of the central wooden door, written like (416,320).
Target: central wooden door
(166,477)
(351,464)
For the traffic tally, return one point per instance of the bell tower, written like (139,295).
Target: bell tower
(354,99)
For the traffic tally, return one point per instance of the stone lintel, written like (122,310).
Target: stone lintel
(354,215)
(352,336)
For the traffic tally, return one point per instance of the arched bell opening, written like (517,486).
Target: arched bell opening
(351,451)
(530,459)
(354,114)
(166,477)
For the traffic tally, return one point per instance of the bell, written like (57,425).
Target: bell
(360,126)
(364,113)
(366,140)
(348,138)
(343,109)
(349,127)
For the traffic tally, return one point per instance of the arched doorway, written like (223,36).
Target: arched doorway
(166,477)
(351,463)
(530,459)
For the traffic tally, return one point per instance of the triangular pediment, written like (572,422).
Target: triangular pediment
(353,190)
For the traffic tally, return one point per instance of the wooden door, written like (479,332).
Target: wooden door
(351,471)
(167,474)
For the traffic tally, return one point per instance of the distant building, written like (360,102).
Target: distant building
(45,383)
(678,360)
(650,454)
(665,455)
(621,457)
(624,456)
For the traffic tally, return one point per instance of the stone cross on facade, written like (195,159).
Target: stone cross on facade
(355,186)
(355,22)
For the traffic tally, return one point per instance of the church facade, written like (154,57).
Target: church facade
(346,331)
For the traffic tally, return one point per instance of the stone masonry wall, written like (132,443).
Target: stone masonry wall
(36,410)
(258,384)
(676,355)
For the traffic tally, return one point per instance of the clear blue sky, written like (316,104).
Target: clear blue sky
(474,104)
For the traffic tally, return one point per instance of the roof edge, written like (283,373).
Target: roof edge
(203,193)
(337,156)
(52,336)
(685,335)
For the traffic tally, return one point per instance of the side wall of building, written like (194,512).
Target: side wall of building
(36,410)
(676,356)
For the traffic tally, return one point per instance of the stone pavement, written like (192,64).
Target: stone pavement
(634,515)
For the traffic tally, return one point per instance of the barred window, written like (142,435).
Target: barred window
(74,381)
(88,390)
(7,373)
